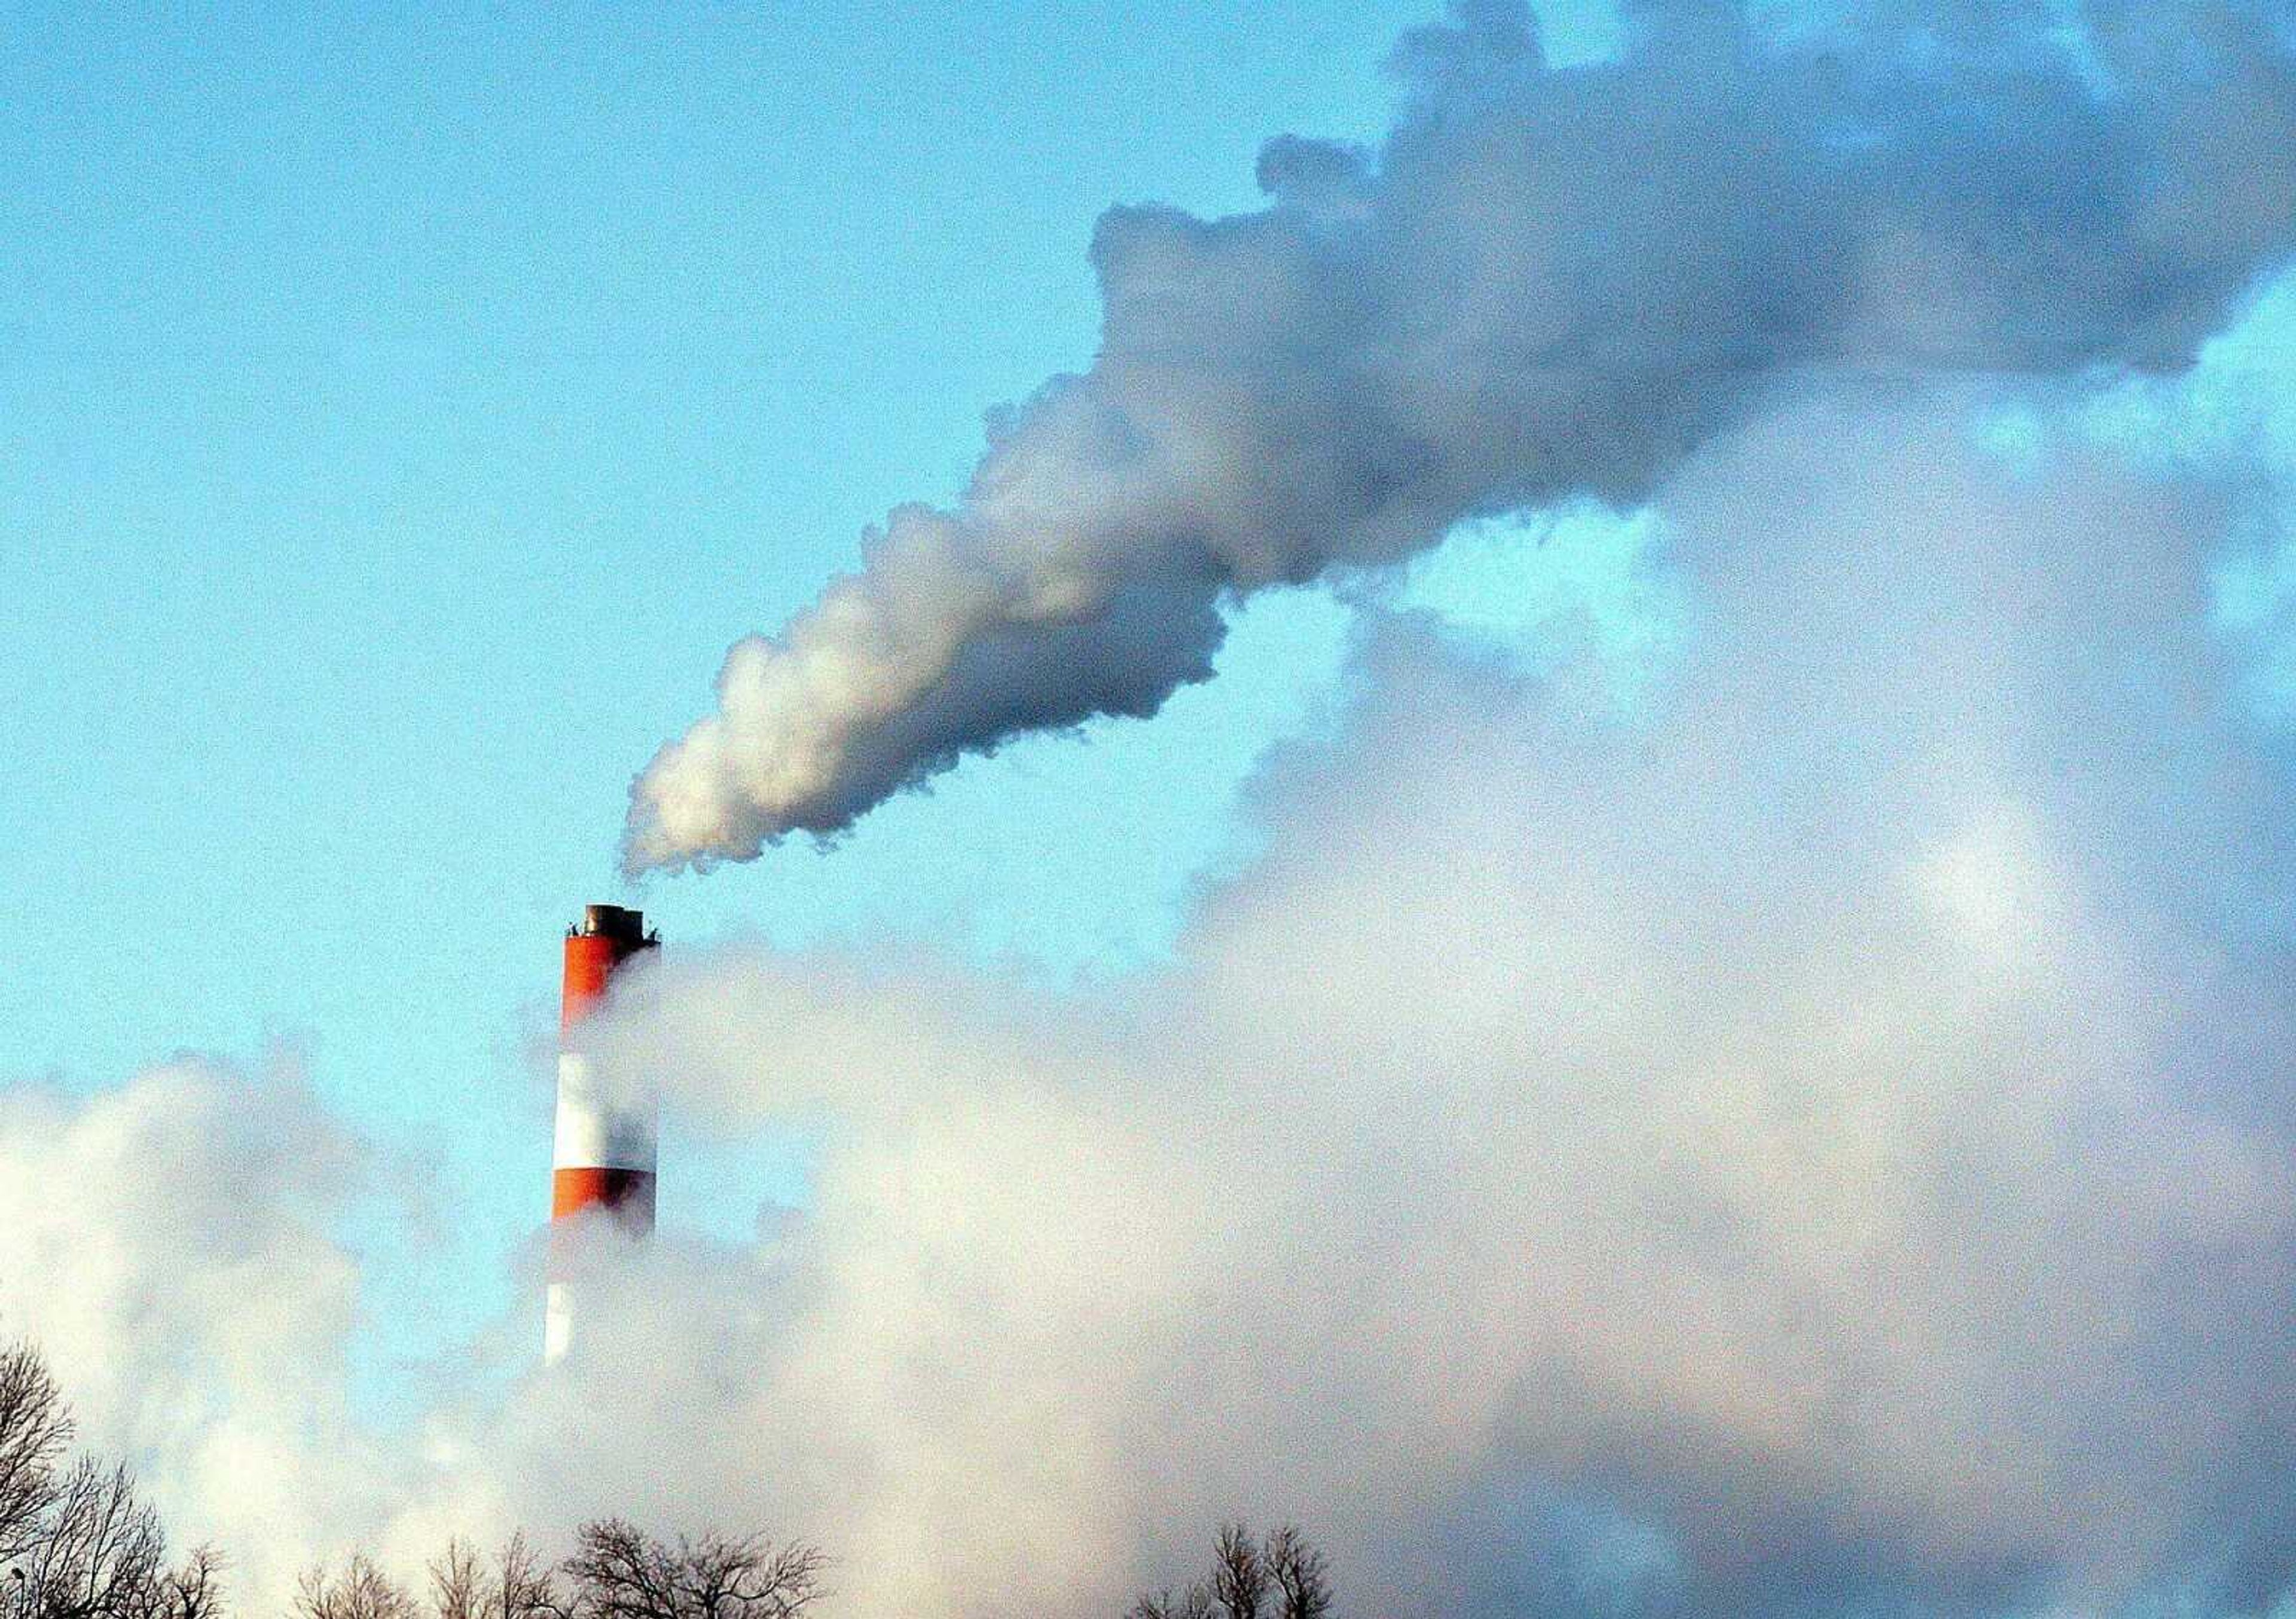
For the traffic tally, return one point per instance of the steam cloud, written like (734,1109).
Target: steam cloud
(1826,1147)
(171,1245)
(1821,1148)
(1548,280)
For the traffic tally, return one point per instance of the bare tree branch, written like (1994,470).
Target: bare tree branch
(458,1582)
(80,1544)
(194,1589)
(1298,1569)
(361,1592)
(101,1554)
(1194,1603)
(1243,1574)
(1238,1577)
(525,1587)
(34,1427)
(620,1572)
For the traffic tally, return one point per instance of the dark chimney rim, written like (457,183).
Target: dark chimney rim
(617,923)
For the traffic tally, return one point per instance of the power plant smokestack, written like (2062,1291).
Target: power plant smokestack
(603,1159)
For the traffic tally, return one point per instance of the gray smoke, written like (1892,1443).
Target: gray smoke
(1548,282)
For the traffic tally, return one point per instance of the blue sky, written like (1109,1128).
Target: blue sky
(403,413)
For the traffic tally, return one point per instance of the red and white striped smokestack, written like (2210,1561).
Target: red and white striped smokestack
(604,1158)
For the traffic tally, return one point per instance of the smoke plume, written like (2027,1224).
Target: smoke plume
(1546,282)
(1822,1147)
(1820,1143)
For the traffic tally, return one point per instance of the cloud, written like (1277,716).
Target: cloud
(1549,282)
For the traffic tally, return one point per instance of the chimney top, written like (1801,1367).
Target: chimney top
(614,922)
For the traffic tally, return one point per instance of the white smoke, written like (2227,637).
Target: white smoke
(173,1247)
(1822,1146)
(1837,1128)
(1548,282)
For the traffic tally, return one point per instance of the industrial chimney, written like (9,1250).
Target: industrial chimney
(604,1156)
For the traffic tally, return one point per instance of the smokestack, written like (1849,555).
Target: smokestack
(604,1154)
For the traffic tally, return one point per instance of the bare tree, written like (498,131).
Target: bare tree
(194,1588)
(34,1427)
(621,1572)
(1244,1571)
(79,1544)
(458,1582)
(524,1586)
(101,1550)
(1298,1569)
(748,1579)
(1239,1576)
(361,1592)
(1194,1603)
